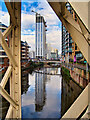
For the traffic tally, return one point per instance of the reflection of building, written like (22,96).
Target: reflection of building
(52,70)
(40,93)
(24,82)
(24,51)
(3,56)
(40,43)
(32,54)
(70,91)
(69,48)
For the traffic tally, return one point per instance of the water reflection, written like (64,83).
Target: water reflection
(43,97)
(70,91)
(40,91)
(24,82)
(47,96)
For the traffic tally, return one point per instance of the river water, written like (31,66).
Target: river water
(47,96)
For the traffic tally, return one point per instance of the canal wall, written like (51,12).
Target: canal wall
(80,76)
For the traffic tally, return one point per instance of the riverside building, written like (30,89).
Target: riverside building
(40,42)
(3,57)
(70,51)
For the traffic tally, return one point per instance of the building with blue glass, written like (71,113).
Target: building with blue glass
(70,50)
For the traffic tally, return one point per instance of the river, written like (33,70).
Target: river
(47,96)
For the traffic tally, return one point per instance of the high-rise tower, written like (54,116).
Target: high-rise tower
(40,42)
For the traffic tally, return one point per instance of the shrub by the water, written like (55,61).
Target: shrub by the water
(66,74)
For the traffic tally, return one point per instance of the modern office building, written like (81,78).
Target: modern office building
(70,51)
(40,43)
(48,52)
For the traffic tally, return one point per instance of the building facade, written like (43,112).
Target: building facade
(24,51)
(32,54)
(40,42)
(4,61)
(70,51)
(54,53)
(48,52)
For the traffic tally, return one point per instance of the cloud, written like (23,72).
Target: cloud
(28,21)
(5,18)
(54,38)
(30,40)
(28,24)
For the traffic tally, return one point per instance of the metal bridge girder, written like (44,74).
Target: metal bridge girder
(14,54)
(79,33)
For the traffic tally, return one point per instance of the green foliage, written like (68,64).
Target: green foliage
(34,65)
(66,74)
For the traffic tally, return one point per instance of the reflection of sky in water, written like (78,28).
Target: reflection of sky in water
(52,93)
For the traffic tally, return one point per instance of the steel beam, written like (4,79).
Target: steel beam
(79,105)
(7,31)
(78,32)
(4,93)
(7,49)
(9,113)
(15,46)
(11,12)
(6,76)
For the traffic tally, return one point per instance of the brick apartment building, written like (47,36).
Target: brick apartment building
(24,52)
(4,61)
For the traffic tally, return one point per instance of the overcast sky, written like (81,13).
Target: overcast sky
(53,34)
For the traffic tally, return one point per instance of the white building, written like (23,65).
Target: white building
(32,54)
(40,43)
(48,51)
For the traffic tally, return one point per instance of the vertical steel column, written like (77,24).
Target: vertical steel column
(15,44)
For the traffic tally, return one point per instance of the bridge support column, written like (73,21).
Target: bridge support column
(15,45)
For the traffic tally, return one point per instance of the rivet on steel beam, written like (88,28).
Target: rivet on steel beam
(16,100)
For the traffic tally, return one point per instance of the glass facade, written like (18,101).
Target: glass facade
(68,46)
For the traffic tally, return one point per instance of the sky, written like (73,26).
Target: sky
(53,34)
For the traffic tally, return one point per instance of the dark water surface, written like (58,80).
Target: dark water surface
(47,96)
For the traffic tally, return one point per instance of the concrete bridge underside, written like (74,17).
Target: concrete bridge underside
(80,34)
